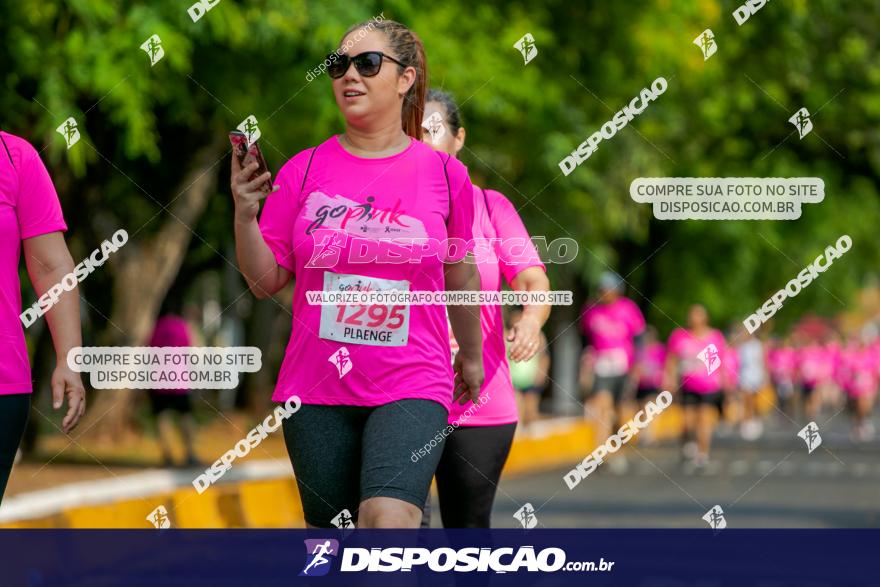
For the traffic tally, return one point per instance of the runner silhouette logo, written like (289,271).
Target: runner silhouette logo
(526,46)
(715,518)
(343,520)
(810,434)
(434,125)
(706,43)
(153,48)
(319,556)
(526,516)
(710,358)
(801,121)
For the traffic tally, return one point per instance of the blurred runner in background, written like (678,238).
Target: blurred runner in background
(694,358)
(612,325)
(172,330)
(648,373)
(781,365)
(858,376)
(815,370)
(752,379)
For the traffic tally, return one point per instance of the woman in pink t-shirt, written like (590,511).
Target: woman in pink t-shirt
(814,370)
(31,220)
(859,375)
(613,326)
(480,436)
(650,360)
(782,367)
(370,210)
(172,330)
(694,358)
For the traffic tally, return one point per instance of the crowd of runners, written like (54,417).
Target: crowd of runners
(718,377)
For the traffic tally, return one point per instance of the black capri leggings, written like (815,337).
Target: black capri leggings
(14,411)
(468,474)
(343,455)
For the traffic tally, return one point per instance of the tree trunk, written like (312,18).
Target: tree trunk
(144,270)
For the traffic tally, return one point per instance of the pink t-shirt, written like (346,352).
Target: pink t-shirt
(782,362)
(651,360)
(29,207)
(170,330)
(815,364)
(858,372)
(611,328)
(496,218)
(322,231)
(692,371)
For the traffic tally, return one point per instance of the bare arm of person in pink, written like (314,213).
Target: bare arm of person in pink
(48,261)
(525,335)
(264,275)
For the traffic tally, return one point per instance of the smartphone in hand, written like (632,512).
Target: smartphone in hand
(247,154)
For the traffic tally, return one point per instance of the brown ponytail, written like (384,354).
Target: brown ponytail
(408,49)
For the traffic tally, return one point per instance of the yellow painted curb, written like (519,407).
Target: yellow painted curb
(275,503)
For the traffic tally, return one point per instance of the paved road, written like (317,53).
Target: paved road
(769,483)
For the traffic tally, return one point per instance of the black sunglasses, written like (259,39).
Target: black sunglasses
(367,63)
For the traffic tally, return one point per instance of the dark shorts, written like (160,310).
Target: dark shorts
(807,389)
(692,398)
(468,474)
(14,409)
(784,389)
(615,385)
(343,455)
(645,393)
(175,402)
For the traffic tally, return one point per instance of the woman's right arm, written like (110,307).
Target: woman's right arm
(256,261)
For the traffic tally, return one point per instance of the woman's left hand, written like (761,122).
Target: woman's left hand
(524,338)
(469,376)
(68,382)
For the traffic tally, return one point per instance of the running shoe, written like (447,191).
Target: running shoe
(751,430)
(863,432)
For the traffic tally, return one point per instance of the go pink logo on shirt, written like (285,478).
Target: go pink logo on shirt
(367,219)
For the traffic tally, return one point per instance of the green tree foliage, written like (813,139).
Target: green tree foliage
(728,116)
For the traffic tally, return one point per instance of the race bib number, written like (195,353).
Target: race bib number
(377,325)
(611,362)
